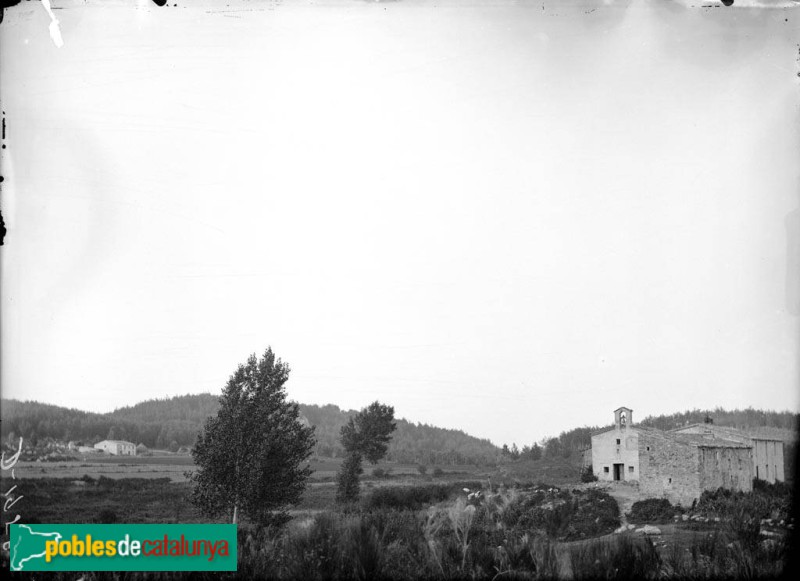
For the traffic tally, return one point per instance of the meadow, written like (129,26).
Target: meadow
(465,522)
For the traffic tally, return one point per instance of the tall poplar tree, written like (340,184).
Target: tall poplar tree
(252,456)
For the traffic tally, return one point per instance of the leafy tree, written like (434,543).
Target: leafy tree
(369,431)
(365,435)
(347,479)
(252,455)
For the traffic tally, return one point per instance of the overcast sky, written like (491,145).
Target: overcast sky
(505,217)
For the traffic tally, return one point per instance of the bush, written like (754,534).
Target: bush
(379,473)
(438,472)
(765,501)
(561,514)
(406,497)
(422,469)
(588,475)
(653,510)
(414,497)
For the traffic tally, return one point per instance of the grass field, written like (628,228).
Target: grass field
(174,467)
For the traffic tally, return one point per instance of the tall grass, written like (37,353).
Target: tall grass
(506,534)
(620,557)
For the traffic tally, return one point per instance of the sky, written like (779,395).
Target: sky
(508,218)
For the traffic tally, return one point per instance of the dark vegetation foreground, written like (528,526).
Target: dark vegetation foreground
(459,530)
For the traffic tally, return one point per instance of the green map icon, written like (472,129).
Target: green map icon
(27,544)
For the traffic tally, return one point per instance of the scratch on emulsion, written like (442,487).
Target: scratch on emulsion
(55,31)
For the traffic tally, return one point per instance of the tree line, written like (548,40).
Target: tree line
(172,422)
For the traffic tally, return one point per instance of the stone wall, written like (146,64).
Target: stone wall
(668,469)
(725,467)
(616,446)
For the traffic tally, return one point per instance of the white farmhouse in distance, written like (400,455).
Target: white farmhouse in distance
(117,447)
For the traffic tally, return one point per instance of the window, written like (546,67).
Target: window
(605,469)
(670,480)
(648,448)
(617,441)
(630,469)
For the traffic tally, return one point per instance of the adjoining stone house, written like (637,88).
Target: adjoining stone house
(767,452)
(676,466)
(117,447)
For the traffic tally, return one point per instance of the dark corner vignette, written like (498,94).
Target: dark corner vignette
(6,4)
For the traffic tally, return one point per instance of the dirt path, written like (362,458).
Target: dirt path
(625,495)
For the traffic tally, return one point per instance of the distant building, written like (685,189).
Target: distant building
(680,464)
(117,447)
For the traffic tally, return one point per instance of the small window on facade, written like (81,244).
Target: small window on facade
(605,469)
(617,441)
(630,468)
(670,479)
(648,448)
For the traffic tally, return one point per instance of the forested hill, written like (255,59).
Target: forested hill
(172,422)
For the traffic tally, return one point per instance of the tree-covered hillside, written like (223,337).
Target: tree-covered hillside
(170,422)
(175,421)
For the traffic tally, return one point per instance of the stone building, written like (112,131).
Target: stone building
(674,465)
(117,447)
(767,452)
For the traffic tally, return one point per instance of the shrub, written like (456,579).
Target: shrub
(406,497)
(438,472)
(414,497)
(588,475)
(422,469)
(379,473)
(561,514)
(653,510)
(348,486)
(765,501)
